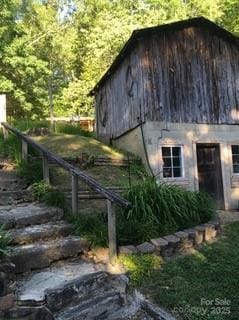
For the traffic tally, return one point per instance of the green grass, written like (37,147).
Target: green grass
(67,145)
(211,275)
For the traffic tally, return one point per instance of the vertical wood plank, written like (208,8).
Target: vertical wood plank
(111,230)
(74,193)
(24,150)
(45,165)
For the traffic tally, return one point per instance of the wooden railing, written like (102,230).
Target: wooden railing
(111,197)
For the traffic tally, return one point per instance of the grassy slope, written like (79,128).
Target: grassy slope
(211,274)
(74,145)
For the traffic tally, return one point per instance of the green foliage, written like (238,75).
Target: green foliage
(30,171)
(26,124)
(74,129)
(10,148)
(42,191)
(4,241)
(157,210)
(53,52)
(92,227)
(180,285)
(140,266)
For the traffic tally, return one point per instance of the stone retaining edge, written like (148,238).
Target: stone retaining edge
(179,242)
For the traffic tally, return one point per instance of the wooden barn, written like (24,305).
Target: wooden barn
(172,97)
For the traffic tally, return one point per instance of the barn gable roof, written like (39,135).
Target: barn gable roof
(179,25)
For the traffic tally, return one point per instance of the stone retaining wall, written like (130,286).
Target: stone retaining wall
(7,285)
(176,243)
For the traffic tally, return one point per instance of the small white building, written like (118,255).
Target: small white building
(172,97)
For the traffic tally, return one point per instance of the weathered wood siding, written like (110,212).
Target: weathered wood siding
(186,76)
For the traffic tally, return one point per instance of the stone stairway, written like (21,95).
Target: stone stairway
(51,279)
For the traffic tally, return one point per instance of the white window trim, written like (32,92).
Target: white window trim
(233,173)
(182,162)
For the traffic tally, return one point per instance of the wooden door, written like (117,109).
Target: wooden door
(209,172)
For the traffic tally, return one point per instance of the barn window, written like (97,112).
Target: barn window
(235,158)
(172,162)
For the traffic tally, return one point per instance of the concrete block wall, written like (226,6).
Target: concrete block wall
(187,135)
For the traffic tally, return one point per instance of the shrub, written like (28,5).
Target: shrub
(92,227)
(10,148)
(165,207)
(42,191)
(73,129)
(157,210)
(25,124)
(30,171)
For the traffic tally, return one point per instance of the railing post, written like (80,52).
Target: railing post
(111,230)
(74,194)
(24,150)
(5,133)
(45,166)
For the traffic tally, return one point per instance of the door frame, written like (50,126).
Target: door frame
(210,144)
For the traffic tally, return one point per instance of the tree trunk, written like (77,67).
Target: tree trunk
(50,91)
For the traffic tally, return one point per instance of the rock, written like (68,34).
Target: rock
(100,255)
(155,311)
(28,313)
(7,302)
(128,249)
(185,241)
(199,234)
(210,231)
(7,267)
(29,215)
(40,232)
(104,306)
(162,246)
(40,255)
(146,247)
(172,240)
(32,287)
(78,290)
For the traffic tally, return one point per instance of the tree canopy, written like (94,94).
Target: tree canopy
(52,52)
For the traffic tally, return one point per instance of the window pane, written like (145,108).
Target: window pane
(236,168)
(166,151)
(176,151)
(167,162)
(176,162)
(177,172)
(235,149)
(167,172)
(235,159)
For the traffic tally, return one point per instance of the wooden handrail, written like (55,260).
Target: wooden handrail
(112,196)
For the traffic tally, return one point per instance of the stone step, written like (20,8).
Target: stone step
(15,197)
(79,290)
(8,174)
(41,254)
(98,308)
(51,230)
(28,214)
(32,288)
